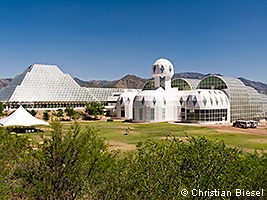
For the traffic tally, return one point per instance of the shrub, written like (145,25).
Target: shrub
(64,165)
(46,115)
(94,108)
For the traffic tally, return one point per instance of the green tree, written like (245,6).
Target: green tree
(12,149)
(95,108)
(64,165)
(69,110)
(160,170)
(255,172)
(46,115)
(76,164)
(1,108)
(59,113)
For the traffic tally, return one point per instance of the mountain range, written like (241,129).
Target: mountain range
(4,82)
(135,82)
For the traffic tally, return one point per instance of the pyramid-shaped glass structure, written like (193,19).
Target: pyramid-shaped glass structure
(44,83)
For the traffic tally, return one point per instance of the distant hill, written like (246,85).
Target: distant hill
(93,83)
(259,86)
(128,81)
(191,75)
(135,82)
(4,82)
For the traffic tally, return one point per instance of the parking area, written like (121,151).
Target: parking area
(260,130)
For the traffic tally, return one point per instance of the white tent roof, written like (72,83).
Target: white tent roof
(21,118)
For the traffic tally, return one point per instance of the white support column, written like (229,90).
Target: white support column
(157,81)
(167,82)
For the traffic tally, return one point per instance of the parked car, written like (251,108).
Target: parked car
(242,124)
(253,124)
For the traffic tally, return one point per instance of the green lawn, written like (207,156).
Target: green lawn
(114,132)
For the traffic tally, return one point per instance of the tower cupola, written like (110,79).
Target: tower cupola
(162,69)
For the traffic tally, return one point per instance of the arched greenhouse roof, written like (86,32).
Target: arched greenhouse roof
(185,83)
(245,101)
(149,85)
(221,82)
(264,102)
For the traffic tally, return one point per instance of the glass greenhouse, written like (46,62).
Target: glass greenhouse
(185,84)
(45,86)
(246,103)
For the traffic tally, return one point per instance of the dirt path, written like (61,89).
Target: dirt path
(260,130)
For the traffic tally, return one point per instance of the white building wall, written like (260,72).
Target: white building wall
(156,106)
(125,102)
(208,100)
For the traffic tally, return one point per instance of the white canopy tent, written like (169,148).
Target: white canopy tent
(21,118)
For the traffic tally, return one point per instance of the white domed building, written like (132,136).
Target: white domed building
(206,106)
(158,104)
(164,103)
(124,106)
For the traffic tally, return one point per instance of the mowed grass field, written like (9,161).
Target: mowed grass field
(114,134)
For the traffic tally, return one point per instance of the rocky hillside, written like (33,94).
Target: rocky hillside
(4,82)
(191,75)
(259,86)
(128,81)
(135,82)
(93,83)
(131,81)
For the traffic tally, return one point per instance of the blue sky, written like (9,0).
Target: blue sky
(106,40)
